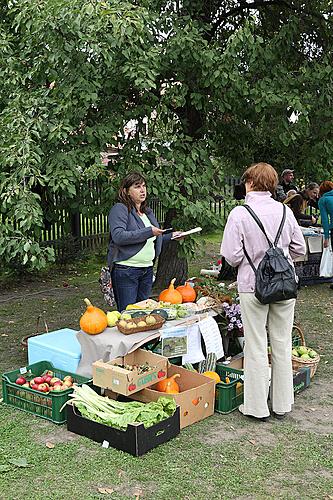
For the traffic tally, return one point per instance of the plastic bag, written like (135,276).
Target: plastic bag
(326,263)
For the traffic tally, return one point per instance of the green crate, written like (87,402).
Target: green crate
(229,395)
(46,406)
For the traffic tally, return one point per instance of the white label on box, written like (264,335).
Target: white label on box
(116,381)
(23,370)
(105,444)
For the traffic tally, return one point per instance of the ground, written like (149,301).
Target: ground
(222,457)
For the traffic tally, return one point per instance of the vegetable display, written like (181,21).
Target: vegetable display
(94,320)
(118,414)
(171,295)
(169,385)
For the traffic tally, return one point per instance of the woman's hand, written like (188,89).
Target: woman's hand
(326,242)
(156,231)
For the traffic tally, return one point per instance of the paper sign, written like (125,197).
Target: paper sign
(186,233)
(212,336)
(105,444)
(23,370)
(174,342)
(194,350)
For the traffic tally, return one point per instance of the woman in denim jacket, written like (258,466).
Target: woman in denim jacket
(135,241)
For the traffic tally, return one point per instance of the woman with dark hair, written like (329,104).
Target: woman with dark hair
(300,201)
(245,243)
(326,210)
(135,241)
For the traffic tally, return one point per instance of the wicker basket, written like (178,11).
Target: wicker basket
(303,363)
(155,326)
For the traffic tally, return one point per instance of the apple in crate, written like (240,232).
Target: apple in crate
(43,388)
(20,381)
(39,380)
(54,380)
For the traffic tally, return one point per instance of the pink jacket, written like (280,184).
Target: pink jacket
(241,227)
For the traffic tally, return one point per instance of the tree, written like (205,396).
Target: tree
(218,81)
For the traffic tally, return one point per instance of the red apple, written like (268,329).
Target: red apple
(32,382)
(20,381)
(68,377)
(58,388)
(43,388)
(34,386)
(39,380)
(49,372)
(26,384)
(48,379)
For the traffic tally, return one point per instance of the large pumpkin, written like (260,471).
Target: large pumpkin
(171,295)
(94,320)
(187,292)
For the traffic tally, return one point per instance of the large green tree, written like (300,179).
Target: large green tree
(223,84)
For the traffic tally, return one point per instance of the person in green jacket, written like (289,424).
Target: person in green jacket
(326,210)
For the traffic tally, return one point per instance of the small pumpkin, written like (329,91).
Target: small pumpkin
(94,320)
(215,376)
(168,385)
(171,295)
(187,292)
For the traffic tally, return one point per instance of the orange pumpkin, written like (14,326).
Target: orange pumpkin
(171,295)
(168,385)
(94,320)
(187,292)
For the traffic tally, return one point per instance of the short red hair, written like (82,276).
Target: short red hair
(263,176)
(325,187)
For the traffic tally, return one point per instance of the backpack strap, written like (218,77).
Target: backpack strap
(278,234)
(258,221)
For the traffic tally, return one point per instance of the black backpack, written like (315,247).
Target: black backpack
(275,277)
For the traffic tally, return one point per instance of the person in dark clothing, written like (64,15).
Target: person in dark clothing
(300,201)
(285,185)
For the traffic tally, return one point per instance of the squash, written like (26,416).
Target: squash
(168,385)
(187,292)
(94,320)
(215,376)
(171,295)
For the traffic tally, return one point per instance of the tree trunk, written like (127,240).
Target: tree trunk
(170,266)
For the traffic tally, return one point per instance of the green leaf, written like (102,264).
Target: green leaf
(19,462)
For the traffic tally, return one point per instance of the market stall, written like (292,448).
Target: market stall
(307,267)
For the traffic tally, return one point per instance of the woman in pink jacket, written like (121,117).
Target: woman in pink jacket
(241,230)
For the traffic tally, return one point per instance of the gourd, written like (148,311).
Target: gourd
(215,376)
(187,292)
(171,295)
(168,385)
(94,320)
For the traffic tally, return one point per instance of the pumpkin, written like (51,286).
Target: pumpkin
(168,385)
(94,320)
(171,295)
(215,376)
(187,292)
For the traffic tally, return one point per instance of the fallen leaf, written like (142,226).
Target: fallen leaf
(4,335)
(105,491)
(252,441)
(11,322)
(313,409)
(4,468)
(232,428)
(49,445)
(19,462)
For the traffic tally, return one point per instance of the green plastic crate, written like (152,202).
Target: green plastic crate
(229,395)
(46,406)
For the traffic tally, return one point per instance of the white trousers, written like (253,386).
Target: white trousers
(279,318)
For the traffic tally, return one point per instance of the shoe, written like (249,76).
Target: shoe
(279,416)
(252,417)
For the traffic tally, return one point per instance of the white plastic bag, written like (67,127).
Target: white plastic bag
(326,263)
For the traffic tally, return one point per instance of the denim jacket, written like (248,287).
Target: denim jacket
(128,233)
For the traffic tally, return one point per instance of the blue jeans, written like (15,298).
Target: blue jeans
(131,284)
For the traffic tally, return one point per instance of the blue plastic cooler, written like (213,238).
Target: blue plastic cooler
(60,347)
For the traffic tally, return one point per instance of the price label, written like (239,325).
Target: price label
(23,370)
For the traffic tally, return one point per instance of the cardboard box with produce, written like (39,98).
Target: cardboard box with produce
(193,392)
(131,373)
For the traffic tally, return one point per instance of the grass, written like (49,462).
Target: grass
(222,457)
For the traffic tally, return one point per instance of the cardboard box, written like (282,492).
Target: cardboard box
(136,440)
(110,376)
(196,398)
(301,378)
